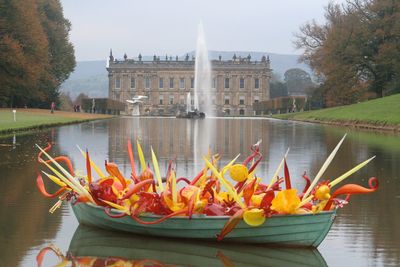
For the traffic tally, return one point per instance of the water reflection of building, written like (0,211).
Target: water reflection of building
(236,83)
(172,138)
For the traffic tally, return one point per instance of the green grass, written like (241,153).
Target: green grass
(33,119)
(28,120)
(383,111)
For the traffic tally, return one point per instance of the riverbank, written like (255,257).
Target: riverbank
(377,114)
(30,119)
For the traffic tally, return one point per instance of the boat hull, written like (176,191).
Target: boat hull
(292,230)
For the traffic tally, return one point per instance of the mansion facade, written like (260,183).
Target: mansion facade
(236,84)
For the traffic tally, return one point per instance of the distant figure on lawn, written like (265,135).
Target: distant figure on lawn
(53,107)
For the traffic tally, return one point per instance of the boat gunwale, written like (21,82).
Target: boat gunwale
(207,217)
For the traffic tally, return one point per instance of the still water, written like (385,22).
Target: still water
(366,232)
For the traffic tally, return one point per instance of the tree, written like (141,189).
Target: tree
(79,98)
(61,51)
(23,52)
(356,50)
(65,102)
(278,89)
(298,82)
(35,54)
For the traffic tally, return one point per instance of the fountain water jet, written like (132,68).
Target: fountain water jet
(188,103)
(202,96)
(202,78)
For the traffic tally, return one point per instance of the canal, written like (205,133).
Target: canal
(366,232)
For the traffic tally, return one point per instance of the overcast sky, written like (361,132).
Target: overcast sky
(170,26)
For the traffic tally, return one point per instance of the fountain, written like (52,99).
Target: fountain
(188,101)
(135,102)
(191,113)
(202,78)
(202,82)
(202,95)
(135,110)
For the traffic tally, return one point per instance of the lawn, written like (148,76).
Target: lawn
(38,118)
(383,111)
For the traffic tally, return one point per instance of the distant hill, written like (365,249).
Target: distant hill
(90,77)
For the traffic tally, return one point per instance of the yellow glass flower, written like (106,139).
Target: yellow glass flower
(254,217)
(323,192)
(286,201)
(256,199)
(238,172)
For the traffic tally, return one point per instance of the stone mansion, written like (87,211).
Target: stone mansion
(235,84)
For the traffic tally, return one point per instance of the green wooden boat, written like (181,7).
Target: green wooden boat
(104,246)
(306,230)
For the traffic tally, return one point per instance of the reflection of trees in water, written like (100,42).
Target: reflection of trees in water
(24,218)
(368,220)
(372,219)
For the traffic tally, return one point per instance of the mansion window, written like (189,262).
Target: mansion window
(256,99)
(182,99)
(171,83)
(182,83)
(256,83)
(191,83)
(241,100)
(117,82)
(214,83)
(171,99)
(226,100)
(161,99)
(133,83)
(226,83)
(161,83)
(241,112)
(241,83)
(147,83)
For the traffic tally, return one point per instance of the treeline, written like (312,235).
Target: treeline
(36,55)
(356,53)
(296,82)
